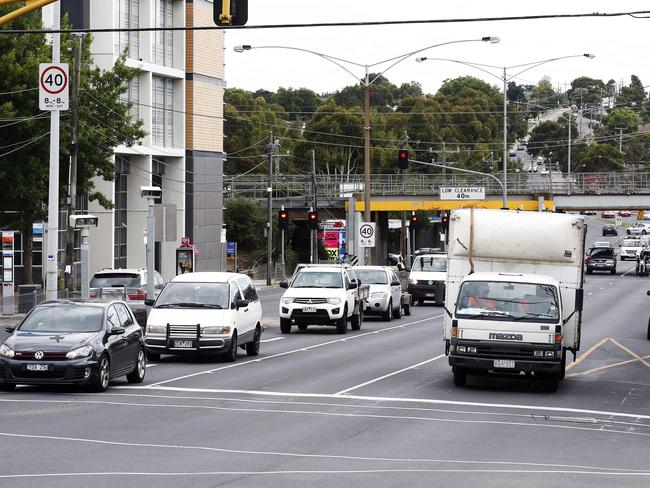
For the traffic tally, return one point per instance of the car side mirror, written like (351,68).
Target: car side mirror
(579,299)
(10,328)
(284,284)
(117,330)
(353,285)
(648,293)
(395,283)
(149,302)
(241,303)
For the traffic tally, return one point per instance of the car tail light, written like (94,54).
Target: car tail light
(93,294)
(139,294)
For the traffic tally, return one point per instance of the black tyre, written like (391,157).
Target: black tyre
(460,377)
(152,356)
(137,375)
(285,326)
(302,326)
(7,386)
(550,383)
(420,301)
(253,348)
(562,373)
(613,271)
(231,355)
(407,310)
(648,336)
(397,313)
(101,380)
(342,323)
(589,271)
(357,320)
(628,232)
(388,314)
(643,232)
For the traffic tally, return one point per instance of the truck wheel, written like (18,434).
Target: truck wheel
(357,320)
(460,377)
(397,313)
(285,326)
(342,323)
(388,314)
(562,373)
(407,310)
(550,383)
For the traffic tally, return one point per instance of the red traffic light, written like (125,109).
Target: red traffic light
(284,215)
(403,159)
(414,219)
(312,220)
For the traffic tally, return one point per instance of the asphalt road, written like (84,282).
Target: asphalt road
(373,408)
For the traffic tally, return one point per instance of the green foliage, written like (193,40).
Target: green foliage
(551,139)
(245,221)
(586,90)
(601,157)
(621,118)
(633,94)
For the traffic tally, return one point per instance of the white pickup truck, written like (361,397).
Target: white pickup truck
(323,295)
(514,293)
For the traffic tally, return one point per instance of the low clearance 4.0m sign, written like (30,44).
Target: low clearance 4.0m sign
(462,193)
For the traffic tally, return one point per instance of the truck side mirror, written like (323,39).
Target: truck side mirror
(579,299)
(648,293)
(284,284)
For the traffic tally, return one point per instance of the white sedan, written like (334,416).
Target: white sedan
(385,294)
(639,228)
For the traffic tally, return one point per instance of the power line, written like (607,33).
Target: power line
(31,141)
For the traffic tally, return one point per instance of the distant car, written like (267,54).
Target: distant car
(512,154)
(521,147)
(630,248)
(534,167)
(607,214)
(544,171)
(639,228)
(624,213)
(605,244)
(609,230)
(95,342)
(129,285)
(589,212)
(602,259)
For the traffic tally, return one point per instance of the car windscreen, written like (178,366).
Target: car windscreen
(194,295)
(318,279)
(111,280)
(631,243)
(430,263)
(489,300)
(602,253)
(60,319)
(372,276)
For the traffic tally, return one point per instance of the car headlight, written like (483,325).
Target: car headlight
(378,294)
(214,330)
(80,352)
(333,301)
(610,262)
(287,300)
(6,351)
(413,282)
(155,330)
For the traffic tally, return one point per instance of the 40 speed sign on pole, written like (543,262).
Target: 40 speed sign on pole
(53,86)
(366,234)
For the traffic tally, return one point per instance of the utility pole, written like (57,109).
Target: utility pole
(271,146)
(313,239)
(74,149)
(569,150)
(620,138)
(505,138)
(366,157)
(51,265)
(402,241)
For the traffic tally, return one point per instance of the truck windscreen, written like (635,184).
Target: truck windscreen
(497,300)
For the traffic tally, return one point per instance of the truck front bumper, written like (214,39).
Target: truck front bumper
(506,358)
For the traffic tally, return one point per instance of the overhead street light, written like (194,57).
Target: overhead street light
(347,66)
(505,78)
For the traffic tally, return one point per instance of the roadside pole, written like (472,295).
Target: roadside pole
(85,263)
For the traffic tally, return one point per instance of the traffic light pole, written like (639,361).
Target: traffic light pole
(282,242)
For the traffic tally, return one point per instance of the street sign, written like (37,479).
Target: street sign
(53,86)
(366,234)
(462,193)
(618,221)
(231,248)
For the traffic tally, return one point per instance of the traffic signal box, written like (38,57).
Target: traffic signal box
(312,220)
(230,12)
(283,219)
(403,159)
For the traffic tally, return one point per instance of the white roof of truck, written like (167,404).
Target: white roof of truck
(512,278)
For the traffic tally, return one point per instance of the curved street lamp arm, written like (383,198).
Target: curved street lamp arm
(535,64)
(478,66)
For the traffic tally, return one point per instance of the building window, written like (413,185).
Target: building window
(132,95)
(163,115)
(121,167)
(163,49)
(127,16)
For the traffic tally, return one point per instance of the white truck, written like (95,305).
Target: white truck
(514,293)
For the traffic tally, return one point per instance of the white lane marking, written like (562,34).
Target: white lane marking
(190,474)
(601,470)
(151,365)
(293,351)
(590,293)
(627,272)
(272,339)
(426,401)
(342,392)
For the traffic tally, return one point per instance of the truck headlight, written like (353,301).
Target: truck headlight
(461,349)
(80,352)
(413,282)
(287,300)
(333,301)
(6,351)
(214,330)
(378,294)
(155,330)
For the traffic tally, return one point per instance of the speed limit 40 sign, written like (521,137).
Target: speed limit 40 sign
(53,86)
(366,234)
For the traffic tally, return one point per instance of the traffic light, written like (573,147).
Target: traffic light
(230,12)
(444,220)
(312,220)
(414,219)
(283,219)
(403,159)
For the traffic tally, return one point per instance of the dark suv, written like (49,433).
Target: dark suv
(601,259)
(609,230)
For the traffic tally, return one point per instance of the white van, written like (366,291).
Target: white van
(199,313)
(427,278)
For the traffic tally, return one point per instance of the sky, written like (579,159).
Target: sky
(620,44)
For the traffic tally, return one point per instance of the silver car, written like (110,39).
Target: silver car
(385,294)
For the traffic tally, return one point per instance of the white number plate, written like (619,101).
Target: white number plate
(504,363)
(182,343)
(429,294)
(38,367)
(309,309)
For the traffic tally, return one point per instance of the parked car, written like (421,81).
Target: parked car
(129,285)
(95,342)
(205,313)
(630,248)
(385,292)
(624,213)
(607,214)
(588,212)
(609,230)
(602,259)
(639,228)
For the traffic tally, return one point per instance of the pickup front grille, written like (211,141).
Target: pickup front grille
(184,331)
(310,301)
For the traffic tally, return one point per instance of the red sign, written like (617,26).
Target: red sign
(185,242)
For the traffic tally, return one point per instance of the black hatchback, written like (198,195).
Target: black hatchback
(73,342)
(609,230)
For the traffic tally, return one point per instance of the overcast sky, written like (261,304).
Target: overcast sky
(620,44)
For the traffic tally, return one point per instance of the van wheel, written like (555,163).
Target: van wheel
(357,320)
(388,314)
(231,355)
(342,323)
(407,310)
(253,348)
(285,326)
(460,377)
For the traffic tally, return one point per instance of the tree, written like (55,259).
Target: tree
(619,118)
(551,139)
(601,157)
(587,90)
(245,219)
(382,94)
(633,94)
(299,103)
